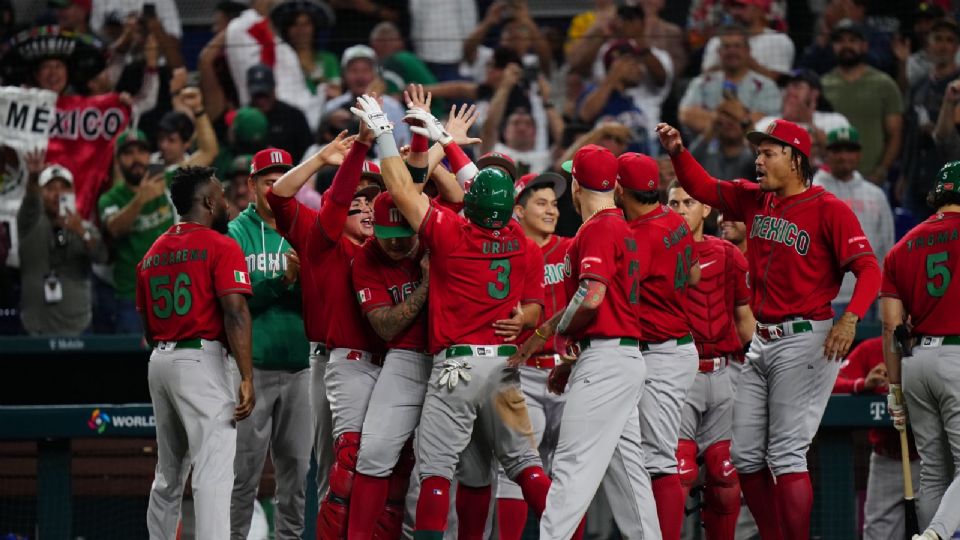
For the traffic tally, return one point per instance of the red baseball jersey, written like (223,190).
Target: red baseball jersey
(477,276)
(918,271)
(380,281)
(182,277)
(853,372)
(331,313)
(712,301)
(605,250)
(666,254)
(554,284)
(798,247)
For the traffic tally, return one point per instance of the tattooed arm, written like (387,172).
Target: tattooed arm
(388,322)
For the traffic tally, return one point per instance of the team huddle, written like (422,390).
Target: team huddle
(431,342)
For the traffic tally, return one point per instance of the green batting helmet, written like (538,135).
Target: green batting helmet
(489,203)
(948,179)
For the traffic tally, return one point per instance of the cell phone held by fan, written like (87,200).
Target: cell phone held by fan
(68,204)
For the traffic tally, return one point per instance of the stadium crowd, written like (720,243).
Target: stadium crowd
(876,84)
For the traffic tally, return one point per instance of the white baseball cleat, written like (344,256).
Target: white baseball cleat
(927,535)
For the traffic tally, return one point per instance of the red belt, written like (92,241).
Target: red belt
(375,358)
(543,361)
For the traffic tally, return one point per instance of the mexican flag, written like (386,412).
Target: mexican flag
(241,277)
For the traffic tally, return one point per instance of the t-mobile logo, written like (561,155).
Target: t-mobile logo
(878,410)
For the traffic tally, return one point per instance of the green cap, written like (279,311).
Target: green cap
(249,126)
(845,136)
(241,165)
(948,179)
(567,166)
(489,203)
(131,136)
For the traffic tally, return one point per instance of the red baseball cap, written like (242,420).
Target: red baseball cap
(498,159)
(529,180)
(388,222)
(270,158)
(371,171)
(783,132)
(638,172)
(593,167)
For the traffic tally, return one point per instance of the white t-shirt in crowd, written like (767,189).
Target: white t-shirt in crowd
(532,161)
(772,50)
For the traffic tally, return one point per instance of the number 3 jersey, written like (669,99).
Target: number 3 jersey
(181,279)
(477,277)
(918,271)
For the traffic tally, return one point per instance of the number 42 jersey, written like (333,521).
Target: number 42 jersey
(181,279)
(477,276)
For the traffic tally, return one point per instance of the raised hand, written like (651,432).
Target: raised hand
(670,138)
(333,153)
(424,123)
(35,160)
(371,115)
(415,97)
(459,123)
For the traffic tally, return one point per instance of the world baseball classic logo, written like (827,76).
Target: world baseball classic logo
(98,421)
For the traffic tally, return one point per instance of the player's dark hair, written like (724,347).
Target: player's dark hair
(674,184)
(644,197)
(527,193)
(938,200)
(186,181)
(802,162)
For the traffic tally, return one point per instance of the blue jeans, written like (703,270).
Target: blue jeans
(128,320)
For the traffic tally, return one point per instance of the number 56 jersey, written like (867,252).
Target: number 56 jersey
(918,271)
(181,279)
(477,276)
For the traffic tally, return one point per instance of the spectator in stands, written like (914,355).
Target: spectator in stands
(664,35)
(164,11)
(734,232)
(868,98)
(724,151)
(517,132)
(224,12)
(287,127)
(249,40)
(921,158)
(864,372)
(246,134)
(589,56)
(947,132)
(236,190)
(594,24)
(57,248)
(518,31)
(758,94)
(805,105)
(176,129)
(868,202)
(300,23)
(613,136)
(356,18)
(630,93)
(705,17)
(133,213)
(8,25)
(437,28)
(771,52)
(359,68)
(73,15)
(400,67)
(913,66)
(878,32)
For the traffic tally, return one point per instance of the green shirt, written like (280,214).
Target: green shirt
(279,338)
(326,68)
(402,68)
(865,102)
(155,218)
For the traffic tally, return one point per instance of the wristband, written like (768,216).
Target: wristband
(387,146)
(419,174)
(419,143)
(198,114)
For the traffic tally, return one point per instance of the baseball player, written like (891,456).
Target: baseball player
(864,371)
(280,363)
(325,242)
(390,280)
(191,289)
(917,291)
(599,440)
(536,211)
(480,269)
(668,266)
(721,322)
(801,241)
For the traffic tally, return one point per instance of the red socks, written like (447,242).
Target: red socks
(473,504)
(368,497)
(758,491)
(511,518)
(669,496)
(433,504)
(794,491)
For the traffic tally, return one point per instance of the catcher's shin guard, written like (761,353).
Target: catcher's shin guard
(334,510)
(687,465)
(721,505)
(534,483)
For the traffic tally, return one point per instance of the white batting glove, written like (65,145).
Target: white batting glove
(896,408)
(423,123)
(372,115)
(453,371)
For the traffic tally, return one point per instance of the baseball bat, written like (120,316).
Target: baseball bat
(911,525)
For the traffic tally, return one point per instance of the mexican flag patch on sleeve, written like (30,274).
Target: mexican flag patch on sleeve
(241,277)
(363,295)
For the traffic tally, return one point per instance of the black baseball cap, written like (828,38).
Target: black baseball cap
(802,75)
(848,26)
(260,80)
